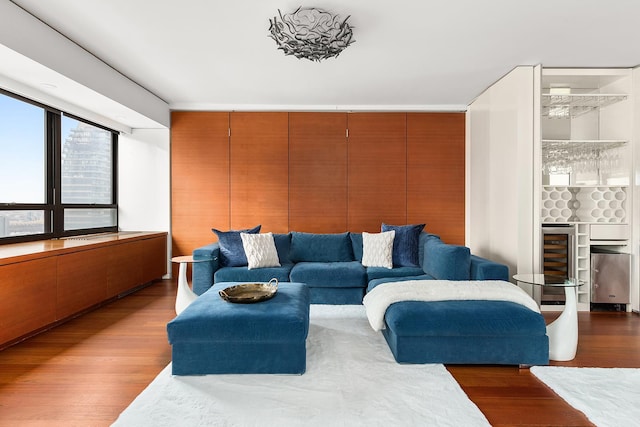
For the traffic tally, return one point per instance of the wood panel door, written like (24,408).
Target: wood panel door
(199,178)
(259,171)
(318,172)
(153,258)
(125,268)
(133,264)
(377,189)
(27,297)
(436,173)
(82,280)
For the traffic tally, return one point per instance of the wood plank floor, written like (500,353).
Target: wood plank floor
(509,396)
(86,371)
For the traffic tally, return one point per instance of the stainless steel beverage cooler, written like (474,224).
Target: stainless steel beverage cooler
(610,277)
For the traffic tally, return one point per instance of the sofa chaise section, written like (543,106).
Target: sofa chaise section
(466,332)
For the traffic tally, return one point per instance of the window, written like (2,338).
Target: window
(44,150)
(87,176)
(23,168)
(22,141)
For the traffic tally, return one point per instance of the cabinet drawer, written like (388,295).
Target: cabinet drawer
(609,232)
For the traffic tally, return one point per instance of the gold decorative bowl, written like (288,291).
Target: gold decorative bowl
(248,293)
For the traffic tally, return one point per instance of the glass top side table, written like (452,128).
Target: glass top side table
(562,332)
(185,295)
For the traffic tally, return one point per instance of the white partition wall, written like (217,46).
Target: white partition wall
(635,182)
(503,126)
(507,130)
(144,182)
(478,165)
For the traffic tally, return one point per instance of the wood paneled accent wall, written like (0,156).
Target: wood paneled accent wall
(315,172)
(435,173)
(259,171)
(200,177)
(318,172)
(377,170)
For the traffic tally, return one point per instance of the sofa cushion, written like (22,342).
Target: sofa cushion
(484,269)
(447,262)
(231,250)
(376,282)
(377,249)
(260,250)
(405,244)
(312,247)
(463,318)
(283,246)
(243,274)
(330,274)
(337,296)
(379,273)
(421,242)
(356,245)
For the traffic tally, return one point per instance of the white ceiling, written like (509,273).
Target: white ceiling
(408,54)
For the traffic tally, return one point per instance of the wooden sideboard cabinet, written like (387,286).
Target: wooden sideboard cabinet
(43,283)
(27,297)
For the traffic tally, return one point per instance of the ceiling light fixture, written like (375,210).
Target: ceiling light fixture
(311,33)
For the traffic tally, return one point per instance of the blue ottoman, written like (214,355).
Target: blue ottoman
(213,336)
(466,332)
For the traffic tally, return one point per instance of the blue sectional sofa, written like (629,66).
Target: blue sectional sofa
(331,265)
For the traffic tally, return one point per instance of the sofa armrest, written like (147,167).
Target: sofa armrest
(443,261)
(202,275)
(484,269)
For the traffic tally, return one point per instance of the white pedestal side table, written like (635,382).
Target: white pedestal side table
(562,332)
(185,295)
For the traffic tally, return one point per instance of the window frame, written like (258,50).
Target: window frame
(53,207)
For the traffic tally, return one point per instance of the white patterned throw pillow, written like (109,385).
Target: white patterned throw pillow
(377,249)
(260,250)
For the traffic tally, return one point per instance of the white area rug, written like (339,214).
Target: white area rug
(351,380)
(607,396)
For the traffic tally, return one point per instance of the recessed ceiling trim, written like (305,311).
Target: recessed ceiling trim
(42,97)
(178,106)
(74,62)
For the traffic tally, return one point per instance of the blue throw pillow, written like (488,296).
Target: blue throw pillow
(231,249)
(405,244)
(312,247)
